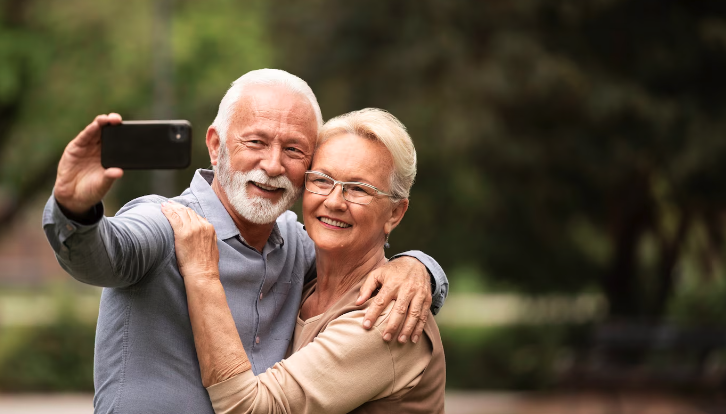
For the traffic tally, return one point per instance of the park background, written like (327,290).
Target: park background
(571,159)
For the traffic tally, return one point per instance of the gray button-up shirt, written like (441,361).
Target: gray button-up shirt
(145,360)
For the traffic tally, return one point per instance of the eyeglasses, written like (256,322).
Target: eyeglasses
(359,193)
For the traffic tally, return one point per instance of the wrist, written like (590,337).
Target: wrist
(200,276)
(81,214)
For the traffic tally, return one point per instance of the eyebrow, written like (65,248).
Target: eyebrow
(352,180)
(258,132)
(298,140)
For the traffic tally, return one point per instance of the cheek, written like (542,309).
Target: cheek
(309,204)
(243,160)
(296,172)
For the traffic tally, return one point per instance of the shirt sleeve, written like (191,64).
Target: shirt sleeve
(344,367)
(111,251)
(439,282)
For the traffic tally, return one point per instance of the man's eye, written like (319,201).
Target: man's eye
(293,149)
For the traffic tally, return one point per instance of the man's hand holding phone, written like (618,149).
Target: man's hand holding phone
(95,158)
(82,181)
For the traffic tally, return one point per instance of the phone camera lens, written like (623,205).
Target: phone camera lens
(177,133)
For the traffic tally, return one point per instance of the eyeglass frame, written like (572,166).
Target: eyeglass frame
(342,187)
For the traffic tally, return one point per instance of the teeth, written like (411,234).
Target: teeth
(335,223)
(264,187)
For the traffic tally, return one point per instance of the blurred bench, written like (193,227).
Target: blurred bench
(633,355)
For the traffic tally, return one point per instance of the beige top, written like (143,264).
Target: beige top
(335,366)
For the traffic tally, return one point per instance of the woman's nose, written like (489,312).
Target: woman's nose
(335,200)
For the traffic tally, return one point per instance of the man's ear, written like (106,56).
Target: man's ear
(399,210)
(213,144)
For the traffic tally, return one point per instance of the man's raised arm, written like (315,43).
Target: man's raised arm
(93,249)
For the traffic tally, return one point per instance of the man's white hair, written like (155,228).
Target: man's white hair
(271,77)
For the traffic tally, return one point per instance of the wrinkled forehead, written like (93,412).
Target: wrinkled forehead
(274,103)
(349,157)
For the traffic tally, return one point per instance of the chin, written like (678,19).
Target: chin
(329,243)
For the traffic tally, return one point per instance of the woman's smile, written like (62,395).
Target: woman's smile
(333,224)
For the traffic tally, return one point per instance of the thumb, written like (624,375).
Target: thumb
(369,286)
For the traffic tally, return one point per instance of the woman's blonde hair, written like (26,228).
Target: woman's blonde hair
(379,125)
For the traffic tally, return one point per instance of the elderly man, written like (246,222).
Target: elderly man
(261,144)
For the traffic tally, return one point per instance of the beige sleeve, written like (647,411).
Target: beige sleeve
(344,367)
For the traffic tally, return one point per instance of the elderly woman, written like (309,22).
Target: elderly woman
(357,193)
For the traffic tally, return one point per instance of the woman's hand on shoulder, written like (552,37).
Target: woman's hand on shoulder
(195,242)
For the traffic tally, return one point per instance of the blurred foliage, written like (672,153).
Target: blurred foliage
(700,304)
(62,63)
(564,146)
(511,358)
(53,357)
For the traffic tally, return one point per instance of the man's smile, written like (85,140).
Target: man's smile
(266,187)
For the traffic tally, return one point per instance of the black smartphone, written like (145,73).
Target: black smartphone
(147,145)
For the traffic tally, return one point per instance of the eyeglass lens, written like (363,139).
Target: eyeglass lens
(323,185)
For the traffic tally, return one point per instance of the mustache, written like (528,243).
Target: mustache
(261,177)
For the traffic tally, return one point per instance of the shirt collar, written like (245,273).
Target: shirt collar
(216,214)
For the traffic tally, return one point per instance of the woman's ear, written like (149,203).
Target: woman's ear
(399,210)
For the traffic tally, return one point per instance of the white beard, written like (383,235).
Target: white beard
(256,210)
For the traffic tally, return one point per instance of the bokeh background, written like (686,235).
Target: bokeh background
(572,156)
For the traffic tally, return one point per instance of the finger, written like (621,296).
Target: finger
(378,304)
(420,325)
(113,173)
(172,215)
(412,318)
(199,223)
(398,314)
(180,212)
(114,118)
(107,179)
(369,286)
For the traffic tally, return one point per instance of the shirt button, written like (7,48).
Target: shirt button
(260,295)
(69,227)
(257,339)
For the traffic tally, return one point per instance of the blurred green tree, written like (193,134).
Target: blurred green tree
(564,145)
(62,63)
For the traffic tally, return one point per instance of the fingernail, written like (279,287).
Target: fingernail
(387,337)
(367,324)
(414,339)
(402,339)
(358,300)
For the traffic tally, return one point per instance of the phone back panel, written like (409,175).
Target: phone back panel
(147,145)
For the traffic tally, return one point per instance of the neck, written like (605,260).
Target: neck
(255,235)
(336,276)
